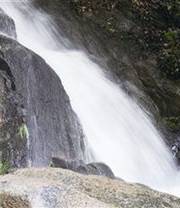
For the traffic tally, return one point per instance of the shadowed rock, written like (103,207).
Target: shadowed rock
(66,164)
(81,167)
(96,169)
(12,147)
(37,98)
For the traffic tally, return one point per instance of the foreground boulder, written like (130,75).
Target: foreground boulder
(36,118)
(8,201)
(95,168)
(58,188)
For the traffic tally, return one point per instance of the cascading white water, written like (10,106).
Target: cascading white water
(118,131)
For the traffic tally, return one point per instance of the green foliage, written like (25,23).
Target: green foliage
(169,64)
(169,57)
(161,13)
(173,7)
(172,123)
(171,36)
(110,25)
(4,168)
(156,33)
(23,131)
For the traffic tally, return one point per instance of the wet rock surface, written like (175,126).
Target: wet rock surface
(7,25)
(58,188)
(12,146)
(37,106)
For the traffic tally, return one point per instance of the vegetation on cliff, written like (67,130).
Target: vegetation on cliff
(4,168)
(158,23)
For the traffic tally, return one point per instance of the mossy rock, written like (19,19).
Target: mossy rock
(23,131)
(169,57)
(172,123)
(4,168)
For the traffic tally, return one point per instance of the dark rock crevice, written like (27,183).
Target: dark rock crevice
(4,67)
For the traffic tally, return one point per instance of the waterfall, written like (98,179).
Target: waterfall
(118,131)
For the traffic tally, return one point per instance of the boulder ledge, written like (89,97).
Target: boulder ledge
(59,188)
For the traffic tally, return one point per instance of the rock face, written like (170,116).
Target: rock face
(128,38)
(36,118)
(34,104)
(80,167)
(58,188)
(7,25)
(12,147)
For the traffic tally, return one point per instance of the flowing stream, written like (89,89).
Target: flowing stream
(117,130)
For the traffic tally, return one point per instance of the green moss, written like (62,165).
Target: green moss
(110,24)
(23,131)
(171,36)
(169,58)
(4,168)
(172,123)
